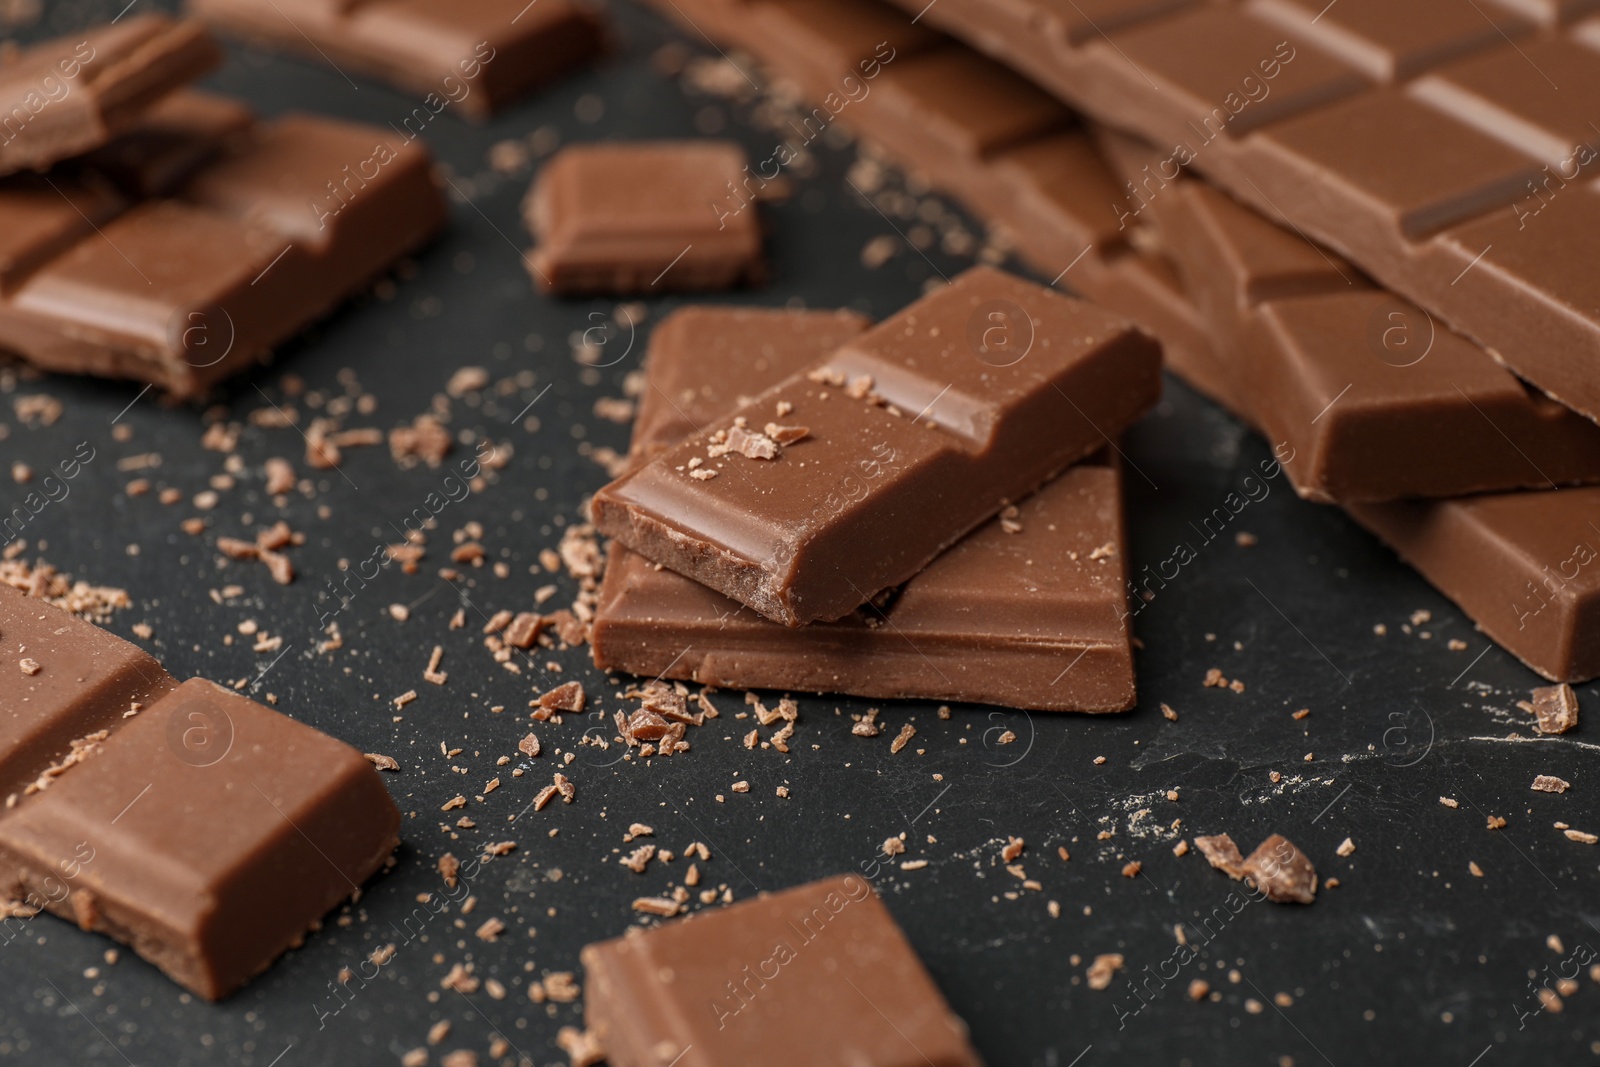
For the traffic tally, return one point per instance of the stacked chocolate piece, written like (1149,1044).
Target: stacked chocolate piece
(164,235)
(1424,144)
(819,505)
(204,830)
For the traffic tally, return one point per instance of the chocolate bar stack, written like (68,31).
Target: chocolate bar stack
(151,232)
(1364,228)
(818,505)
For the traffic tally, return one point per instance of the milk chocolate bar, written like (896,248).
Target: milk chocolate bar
(849,478)
(819,974)
(1026,611)
(1375,399)
(1525,566)
(476,57)
(204,830)
(643,217)
(255,232)
(1445,150)
(66,96)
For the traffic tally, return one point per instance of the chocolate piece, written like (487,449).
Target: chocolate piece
(919,430)
(65,96)
(1026,611)
(1523,565)
(206,831)
(1281,872)
(648,217)
(285,222)
(85,680)
(812,975)
(1374,399)
(476,57)
(1554,708)
(1462,190)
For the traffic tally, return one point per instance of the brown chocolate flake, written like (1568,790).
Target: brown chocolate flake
(1346,847)
(565,788)
(1554,708)
(280,476)
(382,762)
(523,630)
(433,673)
(1199,989)
(661,906)
(786,435)
(1581,836)
(29,667)
(1131,869)
(637,860)
(1103,969)
(751,445)
(903,738)
(1220,851)
(568,696)
(490,930)
(529,746)
(425,440)
(449,867)
(1282,872)
(1549,783)
(583,1048)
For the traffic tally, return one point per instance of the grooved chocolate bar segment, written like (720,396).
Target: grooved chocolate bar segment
(1523,565)
(475,57)
(209,833)
(915,433)
(1025,612)
(71,94)
(1376,399)
(754,982)
(1389,41)
(64,680)
(1472,171)
(284,222)
(645,217)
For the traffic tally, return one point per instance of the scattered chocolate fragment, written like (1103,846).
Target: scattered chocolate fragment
(568,696)
(1554,707)
(1220,851)
(1103,969)
(1549,783)
(845,962)
(643,217)
(1281,872)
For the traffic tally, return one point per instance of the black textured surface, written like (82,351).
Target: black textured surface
(1410,958)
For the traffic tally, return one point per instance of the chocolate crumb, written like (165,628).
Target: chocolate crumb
(1554,708)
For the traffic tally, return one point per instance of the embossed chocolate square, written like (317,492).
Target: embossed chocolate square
(645,217)
(819,974)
